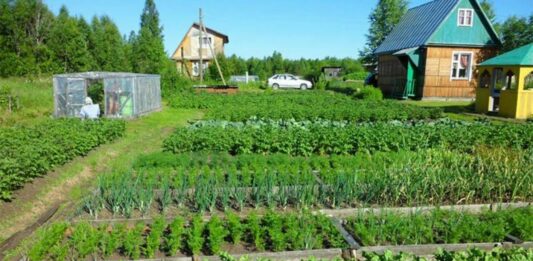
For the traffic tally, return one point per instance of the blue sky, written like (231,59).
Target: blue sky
(296,28)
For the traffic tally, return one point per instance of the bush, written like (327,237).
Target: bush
(368,93)
(358,76)
(321,84)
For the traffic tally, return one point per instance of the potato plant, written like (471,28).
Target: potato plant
(318,139)
(30,152)
(301,106)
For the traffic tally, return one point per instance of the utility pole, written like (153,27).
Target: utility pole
(200,51)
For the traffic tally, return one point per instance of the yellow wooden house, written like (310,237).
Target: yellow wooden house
(506,84)
(187,54)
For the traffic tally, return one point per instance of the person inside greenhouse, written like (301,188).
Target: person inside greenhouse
(89,110)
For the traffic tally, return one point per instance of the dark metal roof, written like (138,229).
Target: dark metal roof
(417,25)
(211,31)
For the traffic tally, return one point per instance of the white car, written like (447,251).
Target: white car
(288,81)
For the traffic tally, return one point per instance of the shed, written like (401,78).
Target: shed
(506,84)
(331,72)
(120,95)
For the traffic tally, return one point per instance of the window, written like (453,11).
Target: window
(196,68)
(484,81)
(528,84)
(461,65)
(206,40)
(510,81)
(499,80)
(465,17)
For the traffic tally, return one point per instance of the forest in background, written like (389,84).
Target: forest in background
(34,43)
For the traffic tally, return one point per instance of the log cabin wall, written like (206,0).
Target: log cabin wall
(437,82)
(392,74)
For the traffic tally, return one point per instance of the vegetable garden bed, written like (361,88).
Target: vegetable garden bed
(178,184)
(30,152)
(272,232)
(300,106)
(329,139)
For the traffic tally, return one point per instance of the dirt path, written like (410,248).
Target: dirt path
(68,183)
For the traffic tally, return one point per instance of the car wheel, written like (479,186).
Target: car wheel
(275,86)
(303,86)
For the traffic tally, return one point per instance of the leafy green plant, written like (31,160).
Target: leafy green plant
(48,239)
(84,240)
(110,239)
(30,152)
(256,231)
(195,239)
(133,240)
(175,235)
(235,227)
(274,230)
(216,233)
(368,93)
(153,239)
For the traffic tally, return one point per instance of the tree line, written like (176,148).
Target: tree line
(34,41)
(270,65)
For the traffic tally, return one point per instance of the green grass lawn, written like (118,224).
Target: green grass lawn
(35,97)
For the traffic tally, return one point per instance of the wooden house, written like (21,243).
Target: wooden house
(187,54)
(434,50)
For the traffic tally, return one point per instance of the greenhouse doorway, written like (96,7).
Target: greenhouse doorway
(95,91)
(119,95)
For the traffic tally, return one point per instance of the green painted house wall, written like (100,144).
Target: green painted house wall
(449,33)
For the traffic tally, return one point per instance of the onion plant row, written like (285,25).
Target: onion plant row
(30,152)
(301,106)
(272,232)
(440,226)
(330,140)
(206,182)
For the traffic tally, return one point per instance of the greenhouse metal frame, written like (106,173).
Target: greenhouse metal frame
(125,95)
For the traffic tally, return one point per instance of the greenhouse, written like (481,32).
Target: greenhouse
(119,95)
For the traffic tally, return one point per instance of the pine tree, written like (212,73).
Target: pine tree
(107,45)
(68,44)
(148,49)
(383,18)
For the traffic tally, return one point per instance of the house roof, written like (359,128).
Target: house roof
(522,56)
(211,31)
(418,25)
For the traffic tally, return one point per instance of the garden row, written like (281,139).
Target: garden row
(351,139)
(30,152)
(207,182)
(469,255)
(273,232)
(300,106)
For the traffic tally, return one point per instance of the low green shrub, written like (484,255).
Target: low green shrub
(356,76)
(368,93)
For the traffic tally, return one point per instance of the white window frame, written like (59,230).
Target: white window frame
(465,11)
(469,70)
